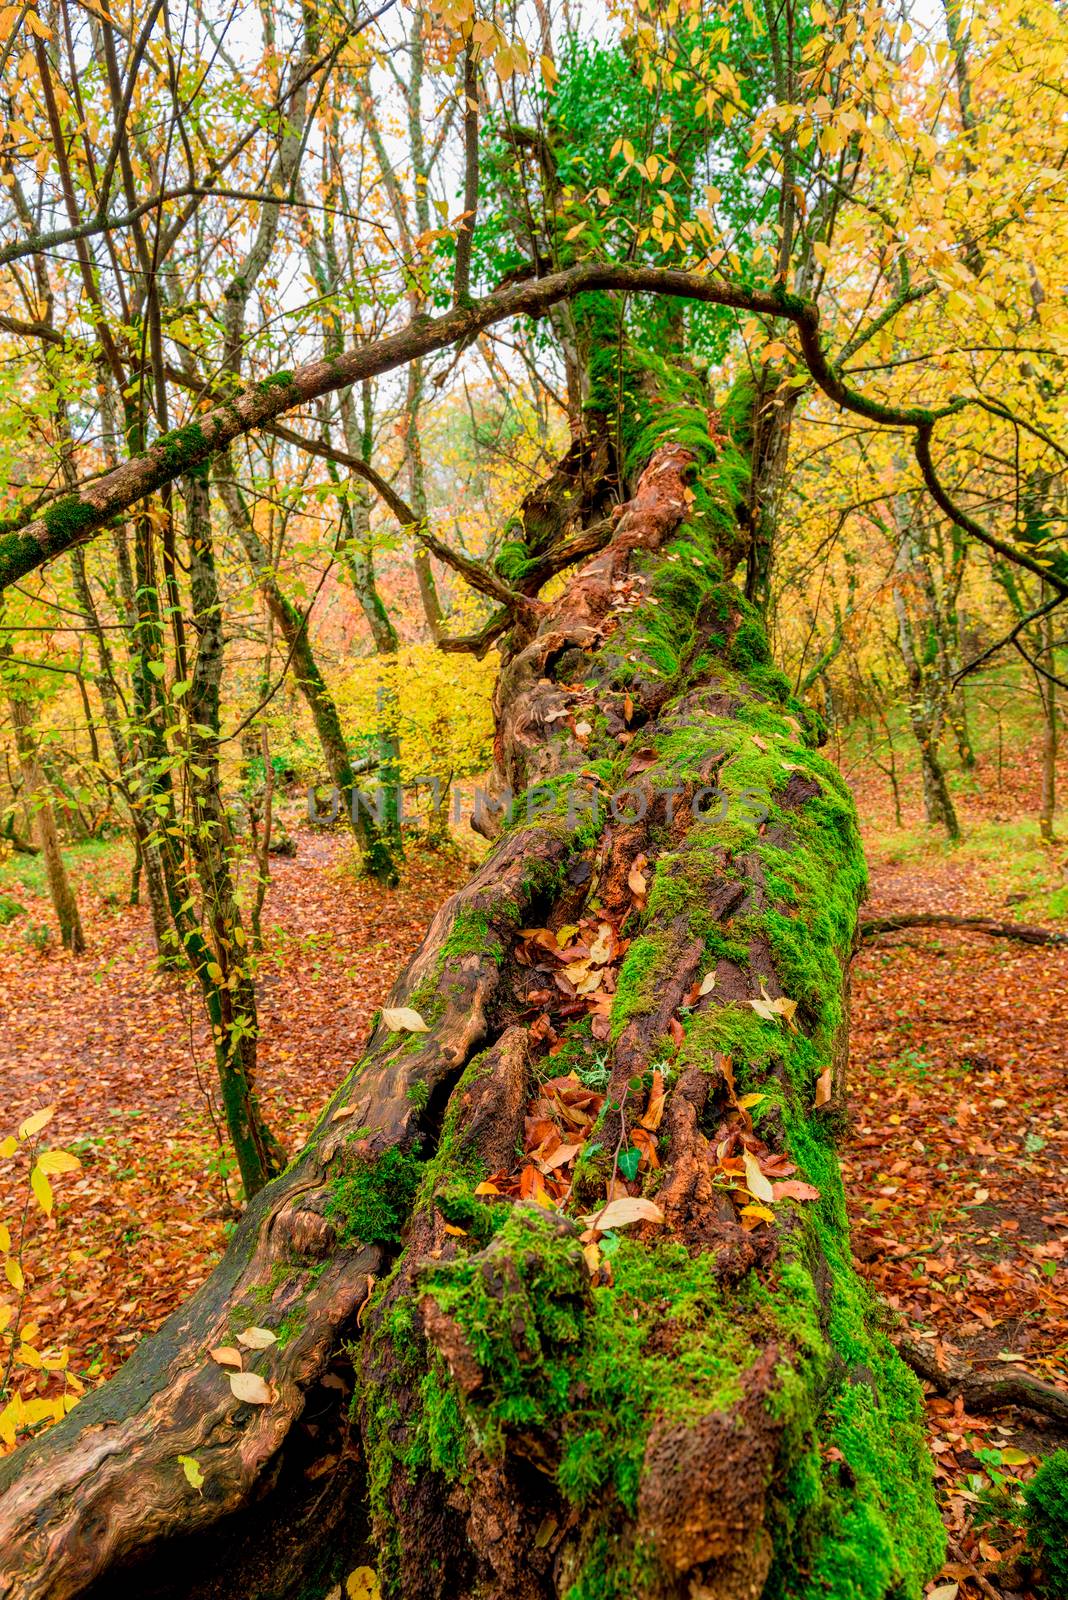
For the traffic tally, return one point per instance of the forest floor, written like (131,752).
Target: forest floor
(954,1165)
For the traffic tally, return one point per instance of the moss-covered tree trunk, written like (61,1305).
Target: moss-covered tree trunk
(483,1395)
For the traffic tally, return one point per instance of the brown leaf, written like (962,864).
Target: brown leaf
(227,1356)
(636,879)
(654,1111)
(794,1189)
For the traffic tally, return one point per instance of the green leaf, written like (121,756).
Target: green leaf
(629,1162)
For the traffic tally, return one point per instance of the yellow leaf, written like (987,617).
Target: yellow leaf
(6,1314)
(760,1212)
(191,1467)
(8,1146)
(53,1161)
(14,1275)
(759,1186)
(34,1124)
(5,1238)
(548,71)
(362,1584)
(11,1419)
(42,1190)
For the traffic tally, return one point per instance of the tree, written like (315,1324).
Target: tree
(676,1384)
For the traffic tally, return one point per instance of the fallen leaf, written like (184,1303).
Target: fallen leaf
(403,1019)
(708,983)
(794,1189)
(257,1338)
(755,1181)
(227,1356)
(621,1213)
(654,1111)
(251,1388)
(362,1584)
(546,1529)
(191,1467)
(823,1088)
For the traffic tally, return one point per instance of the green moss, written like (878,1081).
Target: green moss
(749,647)
(20,553)
(182,448)
(514,561)
(291,1325)
(579,1362)
(636,988)
(67,520)
(371,1199)
(276,380)
(1046,1500)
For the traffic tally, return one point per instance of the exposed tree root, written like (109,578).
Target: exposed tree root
(981,1391)
(871,927)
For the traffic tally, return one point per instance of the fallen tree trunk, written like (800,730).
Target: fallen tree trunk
(897,922)
(636,1000)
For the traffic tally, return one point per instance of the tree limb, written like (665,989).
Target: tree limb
(871,927)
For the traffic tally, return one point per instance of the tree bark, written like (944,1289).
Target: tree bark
(39,806)
(465,1393)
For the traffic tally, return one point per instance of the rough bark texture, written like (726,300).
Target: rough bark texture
(466,1396)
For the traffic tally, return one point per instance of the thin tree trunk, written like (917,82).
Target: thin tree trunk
(704,1404)
(221,965)
(36,798)
(1047,692)
(925,704)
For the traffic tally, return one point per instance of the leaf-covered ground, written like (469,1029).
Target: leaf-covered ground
(955,1164)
